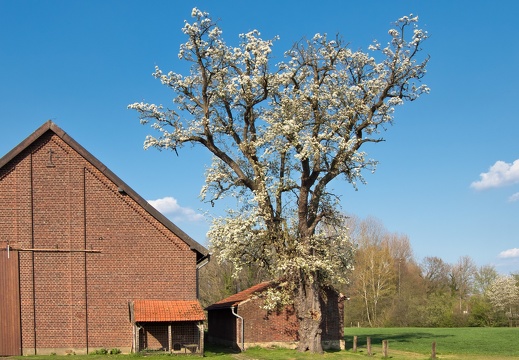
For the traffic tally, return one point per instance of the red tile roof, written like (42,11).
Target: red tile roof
(166,311)
(236,299)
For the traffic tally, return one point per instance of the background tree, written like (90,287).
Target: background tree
(462,280)
(374,277)
(504,296)
(483,278)
(410,290)
(437,310)
(217,280)
(481,312)
(401,252)
(435,273)
(411,294)
(279,135)
(480,308)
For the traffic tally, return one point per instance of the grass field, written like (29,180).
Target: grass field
(404,344)
(451,343)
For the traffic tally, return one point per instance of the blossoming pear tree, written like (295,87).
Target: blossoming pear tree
(280,133)
(503,294)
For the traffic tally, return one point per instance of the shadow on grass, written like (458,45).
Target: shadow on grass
(219,349)
(212,350)
(402,338)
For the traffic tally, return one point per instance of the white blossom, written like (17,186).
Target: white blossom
(281,133)
(503,293)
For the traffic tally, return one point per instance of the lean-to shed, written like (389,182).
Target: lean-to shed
(242,322)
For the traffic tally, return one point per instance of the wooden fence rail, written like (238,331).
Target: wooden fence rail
(385,347)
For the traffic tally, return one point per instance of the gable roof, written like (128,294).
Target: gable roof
(201,251)
(238,298)
(166,311)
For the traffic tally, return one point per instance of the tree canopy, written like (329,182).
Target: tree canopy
(280,133)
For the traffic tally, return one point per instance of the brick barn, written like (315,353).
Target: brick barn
(241,322)
(85,262)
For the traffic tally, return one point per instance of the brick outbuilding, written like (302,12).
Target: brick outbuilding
(241,321)
(85,262)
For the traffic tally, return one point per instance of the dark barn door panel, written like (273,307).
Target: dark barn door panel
(10,331)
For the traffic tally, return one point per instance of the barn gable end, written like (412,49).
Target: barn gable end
(87,245)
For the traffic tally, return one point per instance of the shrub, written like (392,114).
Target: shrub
(101,351)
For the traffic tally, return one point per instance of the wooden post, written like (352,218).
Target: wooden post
(355,343)
(368,345)
(201,338)
(136,338)
(170,338)
(433,353)
(385,348)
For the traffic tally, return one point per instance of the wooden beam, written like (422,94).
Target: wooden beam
(60,250)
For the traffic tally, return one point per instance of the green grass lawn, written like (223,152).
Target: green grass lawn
(404,343)
(491,342)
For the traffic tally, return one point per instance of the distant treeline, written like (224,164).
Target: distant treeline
(389,288)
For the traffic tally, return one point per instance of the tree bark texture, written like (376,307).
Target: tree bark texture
(309,312)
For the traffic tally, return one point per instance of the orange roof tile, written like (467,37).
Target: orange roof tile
(237,298)
(166,311)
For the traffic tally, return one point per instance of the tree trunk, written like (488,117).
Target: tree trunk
(309,314)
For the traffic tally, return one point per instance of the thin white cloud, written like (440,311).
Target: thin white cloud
(500,174)
(514,197)
(510,253)
(169,206)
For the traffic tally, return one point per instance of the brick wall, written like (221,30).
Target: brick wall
(332,304)
(263,328)
(53,198)
(260,326)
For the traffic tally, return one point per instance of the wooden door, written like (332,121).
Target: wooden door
(10,329)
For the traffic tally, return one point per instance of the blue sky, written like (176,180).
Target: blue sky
(446,177)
